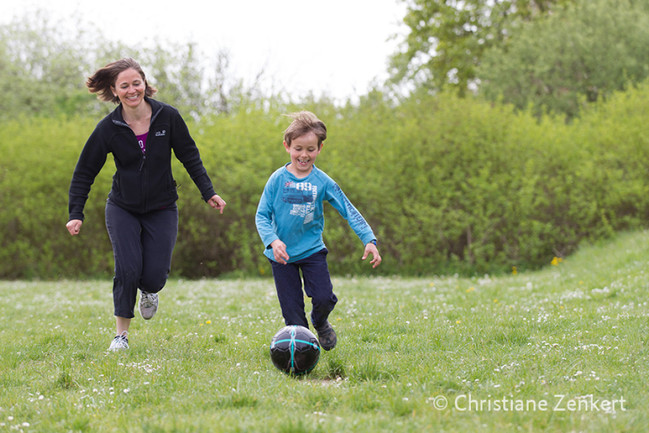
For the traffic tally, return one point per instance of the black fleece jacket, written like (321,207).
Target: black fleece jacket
(143,181)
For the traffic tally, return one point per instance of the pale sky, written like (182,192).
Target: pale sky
(337,47)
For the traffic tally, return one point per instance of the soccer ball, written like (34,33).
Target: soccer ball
(295,350)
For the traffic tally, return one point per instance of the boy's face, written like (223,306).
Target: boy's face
(303,150)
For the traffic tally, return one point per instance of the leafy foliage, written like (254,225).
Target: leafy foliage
(449,184)
(44,70)
(448,38)
(581,54)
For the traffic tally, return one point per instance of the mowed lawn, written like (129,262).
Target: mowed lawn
(564,349)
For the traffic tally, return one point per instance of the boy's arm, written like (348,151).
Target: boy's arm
(337,198)
(341,203)
(264,220)
(264,223)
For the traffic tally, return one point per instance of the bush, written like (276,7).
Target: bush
(449,185)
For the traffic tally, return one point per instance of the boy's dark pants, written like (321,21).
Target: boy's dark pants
(317,286)
(142,247)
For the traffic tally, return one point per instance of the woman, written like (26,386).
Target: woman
(141,212)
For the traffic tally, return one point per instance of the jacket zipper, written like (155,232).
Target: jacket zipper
(144,180)
(142,162)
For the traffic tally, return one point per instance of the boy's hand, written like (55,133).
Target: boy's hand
(279,251)
(376,257)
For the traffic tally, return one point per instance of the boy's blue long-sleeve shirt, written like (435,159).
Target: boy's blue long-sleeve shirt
(291,210)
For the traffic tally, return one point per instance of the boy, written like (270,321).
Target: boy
(290,221)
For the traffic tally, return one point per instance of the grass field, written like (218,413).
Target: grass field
(564,349)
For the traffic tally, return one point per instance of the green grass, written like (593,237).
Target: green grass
(567,335)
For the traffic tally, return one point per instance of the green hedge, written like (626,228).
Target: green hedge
(449,185)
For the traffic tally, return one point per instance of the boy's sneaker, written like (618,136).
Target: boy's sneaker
(327,336)
(148,304)
(120,342)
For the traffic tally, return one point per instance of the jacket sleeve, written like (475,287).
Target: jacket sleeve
(264,217)
(186,151)
(338,199)
(90,163)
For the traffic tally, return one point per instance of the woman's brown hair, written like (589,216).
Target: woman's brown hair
(103,79)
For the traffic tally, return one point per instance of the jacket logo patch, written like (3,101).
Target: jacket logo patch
(161,133)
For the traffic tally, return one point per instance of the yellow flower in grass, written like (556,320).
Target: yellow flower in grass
(556,260)
(514,270)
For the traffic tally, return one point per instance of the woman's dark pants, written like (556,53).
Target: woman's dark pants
(142,247)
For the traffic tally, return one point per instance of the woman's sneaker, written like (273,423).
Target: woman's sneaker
(327,336)
(120,342)
(148,304)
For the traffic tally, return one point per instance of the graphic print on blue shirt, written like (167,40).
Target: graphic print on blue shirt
(302,196)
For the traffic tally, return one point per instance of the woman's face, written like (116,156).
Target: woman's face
(130,88)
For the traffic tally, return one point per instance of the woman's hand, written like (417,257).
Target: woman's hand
(217,202)
(74,226)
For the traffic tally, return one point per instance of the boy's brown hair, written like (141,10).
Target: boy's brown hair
(303,123)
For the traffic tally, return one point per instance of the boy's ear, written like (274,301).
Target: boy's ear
(287,147)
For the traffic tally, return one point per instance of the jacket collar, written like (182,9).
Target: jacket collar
(118,118)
